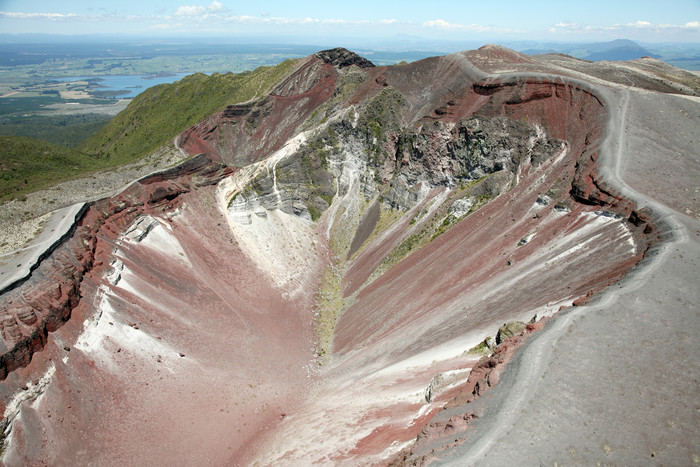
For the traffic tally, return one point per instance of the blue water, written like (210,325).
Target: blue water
(128,85)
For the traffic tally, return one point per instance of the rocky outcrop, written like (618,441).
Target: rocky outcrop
(472,149)
(341,58)
(509,330)
(404,168)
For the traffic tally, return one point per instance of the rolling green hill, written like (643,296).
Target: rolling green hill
(66,130)
(28,164)
(160,113)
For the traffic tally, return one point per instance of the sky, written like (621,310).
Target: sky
(482,20)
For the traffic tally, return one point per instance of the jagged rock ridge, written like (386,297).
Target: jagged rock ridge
(341,58)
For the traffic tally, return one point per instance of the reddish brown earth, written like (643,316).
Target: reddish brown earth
(170,328)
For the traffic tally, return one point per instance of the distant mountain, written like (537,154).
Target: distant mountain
(620,49)
(600,47)
(539,51)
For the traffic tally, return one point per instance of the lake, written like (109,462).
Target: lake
(127,86)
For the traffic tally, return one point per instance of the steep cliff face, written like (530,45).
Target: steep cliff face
(335,251)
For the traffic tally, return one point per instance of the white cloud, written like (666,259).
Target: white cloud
(447,26)
(202,12)
(44,16)
(216,6)
(65,17)
(190,11)
(568,25)
(627,28)
(196,16)
(442,24)
(165,26)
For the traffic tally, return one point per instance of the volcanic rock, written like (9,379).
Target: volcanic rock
(341,58)
(509,330)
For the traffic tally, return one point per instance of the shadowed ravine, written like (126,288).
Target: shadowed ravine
(308,287)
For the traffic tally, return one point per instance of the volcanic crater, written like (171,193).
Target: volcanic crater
(321,281)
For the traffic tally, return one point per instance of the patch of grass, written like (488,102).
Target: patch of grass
(332,137)
(28,165)
(406,247)
(451,220)
(382,114)
(480,348)
(21,104)
(329,307)
(66,130)
(446,223)
(314,156)
(314,212)
(439,223)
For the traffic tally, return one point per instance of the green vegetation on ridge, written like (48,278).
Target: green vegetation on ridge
(28,165)
(382,114)
(160,113)
(66,130)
